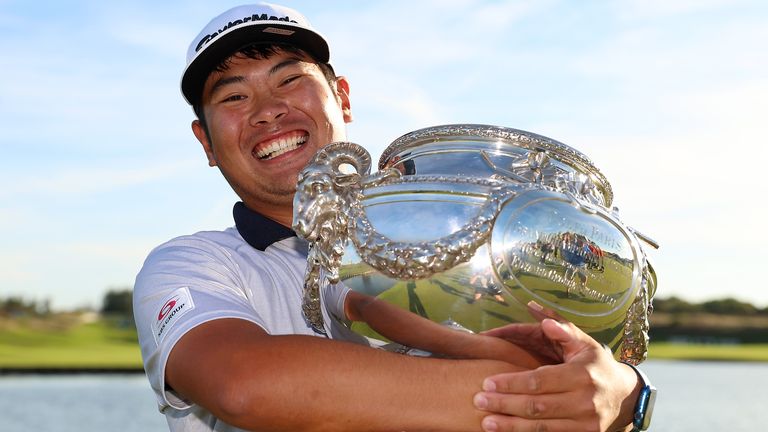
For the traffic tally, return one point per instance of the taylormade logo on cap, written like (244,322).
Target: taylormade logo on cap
(263,17)
(241,26)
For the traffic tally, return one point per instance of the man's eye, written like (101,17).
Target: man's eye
(290,79)
(233,98)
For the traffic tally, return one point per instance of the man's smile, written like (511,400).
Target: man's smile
(280,145)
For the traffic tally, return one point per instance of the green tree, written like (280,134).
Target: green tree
(729,306)
(674,305)
(17,306)
(118,302)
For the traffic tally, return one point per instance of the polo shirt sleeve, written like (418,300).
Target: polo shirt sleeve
(335,321)
(333,298)
(184,283)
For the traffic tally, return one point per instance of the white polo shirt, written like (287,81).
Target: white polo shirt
(254,271)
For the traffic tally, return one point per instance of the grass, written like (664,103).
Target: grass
(68,344)
(709,352)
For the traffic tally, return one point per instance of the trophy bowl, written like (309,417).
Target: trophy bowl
(466,224)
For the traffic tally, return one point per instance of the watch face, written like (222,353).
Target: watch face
(651,401)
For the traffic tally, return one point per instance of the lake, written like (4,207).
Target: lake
(693,396)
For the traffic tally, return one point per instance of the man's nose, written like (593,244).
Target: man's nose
(268,110)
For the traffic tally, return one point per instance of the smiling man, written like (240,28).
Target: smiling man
(265,118)
(224,342)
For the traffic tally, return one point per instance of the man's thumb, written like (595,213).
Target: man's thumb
(566,335)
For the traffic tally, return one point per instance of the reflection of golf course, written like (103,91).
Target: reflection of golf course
(605,291)
(447,296)
(451,296)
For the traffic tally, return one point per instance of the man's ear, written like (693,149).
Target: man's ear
(342,90)
(202,136)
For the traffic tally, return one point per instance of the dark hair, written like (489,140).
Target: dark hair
(258,51)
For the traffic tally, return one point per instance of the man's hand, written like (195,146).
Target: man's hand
(590,391)
(532,339)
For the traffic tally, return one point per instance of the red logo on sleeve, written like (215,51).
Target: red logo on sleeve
(176,305)
(167,307)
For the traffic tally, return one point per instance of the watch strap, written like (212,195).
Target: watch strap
(641,418)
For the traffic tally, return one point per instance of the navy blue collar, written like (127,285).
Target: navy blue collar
(259,231)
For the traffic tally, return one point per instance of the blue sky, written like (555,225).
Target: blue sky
(668,98)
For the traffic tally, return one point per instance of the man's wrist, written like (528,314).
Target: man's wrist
(644,401)
(630,392)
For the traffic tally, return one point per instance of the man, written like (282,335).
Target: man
(224,343)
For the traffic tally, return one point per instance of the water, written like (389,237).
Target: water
(727,397)
(83,403)
(709,396)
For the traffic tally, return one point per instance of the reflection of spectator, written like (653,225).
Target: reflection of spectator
(574,253)
(484,285)
(595,257)
(410,167)
(546,248)
(407,167)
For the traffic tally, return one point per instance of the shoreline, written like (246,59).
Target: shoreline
(11,371)
(50,371)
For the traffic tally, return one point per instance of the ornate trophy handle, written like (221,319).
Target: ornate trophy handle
(320,216)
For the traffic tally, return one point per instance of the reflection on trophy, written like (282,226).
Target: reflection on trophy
(466,224)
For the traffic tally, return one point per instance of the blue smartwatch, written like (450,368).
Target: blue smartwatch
(645,401)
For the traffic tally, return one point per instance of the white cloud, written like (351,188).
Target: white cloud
(92,250)
(415,105)
(164,31)
(496,17)
(87,180)
(17,270)
(10,215)
(423,36)
(632,10)
(734,110)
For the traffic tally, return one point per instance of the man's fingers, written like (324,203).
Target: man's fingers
(496,423)
(552,412)
(541,313)
(546,379)
(531,338)
(527,406)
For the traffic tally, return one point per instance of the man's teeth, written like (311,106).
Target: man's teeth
(281,146)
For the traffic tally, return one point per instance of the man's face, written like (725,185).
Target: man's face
(266,119)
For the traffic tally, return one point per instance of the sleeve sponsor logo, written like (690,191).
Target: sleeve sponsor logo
(175,306)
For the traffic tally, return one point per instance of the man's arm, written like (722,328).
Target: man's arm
(414,331)
(589,391)
(253,380)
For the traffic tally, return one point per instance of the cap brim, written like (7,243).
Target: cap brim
(231,42)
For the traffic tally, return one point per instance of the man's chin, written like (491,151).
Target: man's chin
(280,196)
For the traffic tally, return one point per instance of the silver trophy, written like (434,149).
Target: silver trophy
(466,224)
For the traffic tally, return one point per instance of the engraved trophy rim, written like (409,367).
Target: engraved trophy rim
(514,137)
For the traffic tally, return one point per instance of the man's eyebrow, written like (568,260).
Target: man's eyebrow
(224,81)
(284,64)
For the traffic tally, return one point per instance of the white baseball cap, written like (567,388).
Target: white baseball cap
(242,26)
